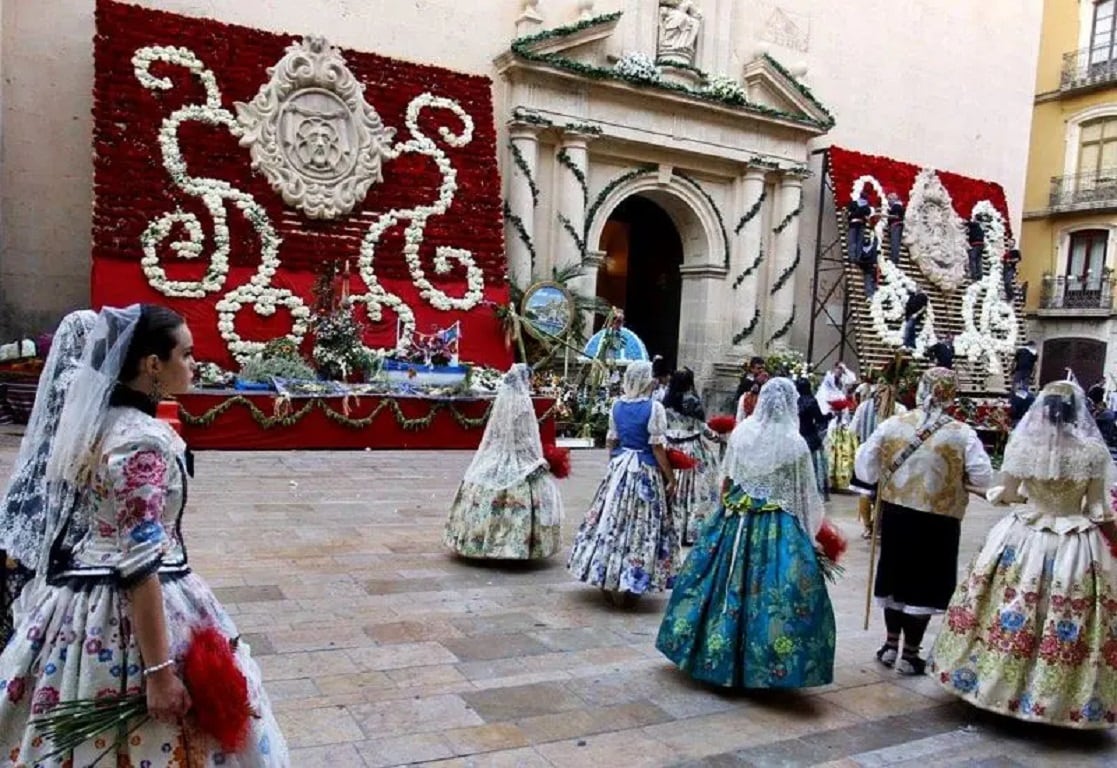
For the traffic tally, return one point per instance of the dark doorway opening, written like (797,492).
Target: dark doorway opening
(640,273)
(1085,357)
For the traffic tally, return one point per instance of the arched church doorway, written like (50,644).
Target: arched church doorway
(640,273)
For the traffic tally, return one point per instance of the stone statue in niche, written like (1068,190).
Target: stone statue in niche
(679,24)
(312,134)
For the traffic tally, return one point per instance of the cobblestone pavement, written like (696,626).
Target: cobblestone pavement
(378,649)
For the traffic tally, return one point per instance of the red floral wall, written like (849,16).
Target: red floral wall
(846,166)
(132,188)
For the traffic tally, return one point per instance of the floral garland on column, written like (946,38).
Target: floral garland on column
(891,297)
(214,194)
(996,330)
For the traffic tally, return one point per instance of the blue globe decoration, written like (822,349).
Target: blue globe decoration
(627,349)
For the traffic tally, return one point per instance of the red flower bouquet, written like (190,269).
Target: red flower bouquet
(679,460)
(830,545)
(558,459)
(722,424)
(842,404)
(218,692)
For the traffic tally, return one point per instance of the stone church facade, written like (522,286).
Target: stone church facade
(677,132)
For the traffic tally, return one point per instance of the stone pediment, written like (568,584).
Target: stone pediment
(768,93)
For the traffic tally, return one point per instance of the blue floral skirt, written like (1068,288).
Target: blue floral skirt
(628,541)
(750,607)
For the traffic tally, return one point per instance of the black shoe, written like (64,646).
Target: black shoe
(912,666)
(887,655)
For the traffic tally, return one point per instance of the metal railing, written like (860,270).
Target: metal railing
(1069,292)
(1094,189)
(1088,67)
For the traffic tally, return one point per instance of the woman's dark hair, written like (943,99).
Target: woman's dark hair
(660,367)
(682,382)
(803,387)
(154,335)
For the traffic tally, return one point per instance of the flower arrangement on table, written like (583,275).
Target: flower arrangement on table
(339,352)
(280,359)
(988,415)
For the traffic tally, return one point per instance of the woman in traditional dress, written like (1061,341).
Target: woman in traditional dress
(23,510)
(628,542)
(508,505)
(697,494)
(750,607)
(1032,631)
(115,616)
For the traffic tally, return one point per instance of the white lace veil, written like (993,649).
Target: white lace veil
(1058,439)
(83,416)
(768,458)
(23,511)
(511,449)
(638,380)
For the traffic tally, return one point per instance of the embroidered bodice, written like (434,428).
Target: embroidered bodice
(1063,505)
(136,498)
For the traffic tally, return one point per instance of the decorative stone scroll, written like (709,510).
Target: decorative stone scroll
(312,134)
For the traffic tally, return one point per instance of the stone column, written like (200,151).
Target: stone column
(785,245)
(745,297)
(571,163)
(523,163)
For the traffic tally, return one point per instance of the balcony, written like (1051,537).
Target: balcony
(1087,295)
(1088,68)
(1096,190)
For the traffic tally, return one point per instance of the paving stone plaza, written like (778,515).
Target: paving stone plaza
(380,650)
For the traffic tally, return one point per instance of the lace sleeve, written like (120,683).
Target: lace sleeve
(866,462)
(657,425)
(1098,509)
(137,474)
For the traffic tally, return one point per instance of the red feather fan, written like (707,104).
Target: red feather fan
(680,460)
(217,687)
(558,459)
(722,424)
(832,541)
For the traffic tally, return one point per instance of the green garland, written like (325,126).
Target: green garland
(785,329)
(265,421)
(624,178)
(748,329)
(755,265)
(750,214)
(521,231)
(787,273)
(521,163)
(564,159)
(586,128)
(573,232)
(788,219)
(522,48)
(717,213)
(804,91)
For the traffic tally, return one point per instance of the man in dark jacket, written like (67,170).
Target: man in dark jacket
(942,352)
(1024,365)
(914,310)
(975,237)
(858,212)
(812,426)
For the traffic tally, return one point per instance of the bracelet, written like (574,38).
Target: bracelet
(158,667)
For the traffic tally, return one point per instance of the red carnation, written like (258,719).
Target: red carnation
(680,460)
(832,541)
(217,688)
(722,424)
(558,459)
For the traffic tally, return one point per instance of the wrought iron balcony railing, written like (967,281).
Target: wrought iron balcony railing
(1096,189)
(1088,68)
(1070,292)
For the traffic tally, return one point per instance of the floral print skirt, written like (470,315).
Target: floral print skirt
(1032,631)
(78,644)
(523,522)
(696,495)
(750,607)
(628,541)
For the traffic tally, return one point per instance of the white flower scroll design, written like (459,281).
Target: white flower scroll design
(887,305)
(215,195)
(993,329)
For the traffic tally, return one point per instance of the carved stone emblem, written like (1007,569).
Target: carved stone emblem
(934,233)
(679,23)
(312,134)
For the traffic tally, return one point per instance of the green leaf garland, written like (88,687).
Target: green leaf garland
(717,213)
(521,163)
(748,329)
(565,160)
(785,329)
(786,274)
(748,271)
(521,231)
(750,214)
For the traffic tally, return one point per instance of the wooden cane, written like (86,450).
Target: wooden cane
(872,556)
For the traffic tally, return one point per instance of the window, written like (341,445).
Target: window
(1102,42)
(1097,149)
(1086,260)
